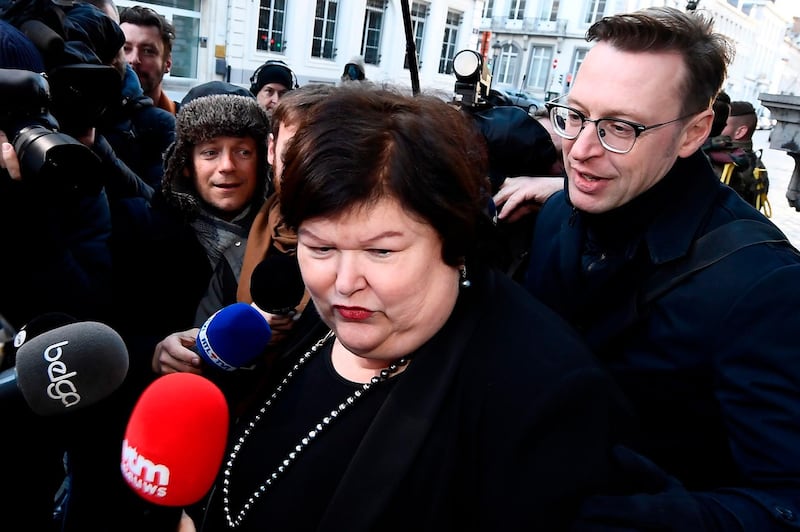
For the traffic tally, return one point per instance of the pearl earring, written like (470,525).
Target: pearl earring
(465,283)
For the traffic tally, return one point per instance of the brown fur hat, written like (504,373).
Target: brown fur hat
(205,118)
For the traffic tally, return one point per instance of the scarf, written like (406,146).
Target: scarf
(216,235)
(268,231)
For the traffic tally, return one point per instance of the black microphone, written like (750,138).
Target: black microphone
(46,40)
(66,369)
(35,327)
(38,325)
(276,285)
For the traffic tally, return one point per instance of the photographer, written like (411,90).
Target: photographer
(59,213)
(57,259)
(519,147)
(78,88)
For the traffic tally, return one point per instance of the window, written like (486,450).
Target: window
(371,35)
(184,49)
(541,57)
(449,42)
(488,6)
(516,10)
(419,12)
(595,10)
(324,29)
(271,17)
(549,10)
(507,65)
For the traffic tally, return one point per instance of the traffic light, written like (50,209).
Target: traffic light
(555,63)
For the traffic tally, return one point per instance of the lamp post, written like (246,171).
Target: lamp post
(496,48)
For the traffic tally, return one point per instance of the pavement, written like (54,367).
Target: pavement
(780,167)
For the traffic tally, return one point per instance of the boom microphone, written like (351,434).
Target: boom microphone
(276,284)
(175,440)
(66,369)
(233,337)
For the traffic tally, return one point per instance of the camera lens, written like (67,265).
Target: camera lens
(57,161)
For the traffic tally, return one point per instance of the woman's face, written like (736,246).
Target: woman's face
(377,277)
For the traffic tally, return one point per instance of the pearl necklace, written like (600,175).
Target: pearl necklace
(234,522)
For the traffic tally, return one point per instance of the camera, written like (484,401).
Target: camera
(473,80)
(46,155)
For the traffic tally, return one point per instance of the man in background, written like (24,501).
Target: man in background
(732,156)
(270,81)
(148,49)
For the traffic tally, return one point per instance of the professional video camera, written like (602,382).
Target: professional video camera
(47,155)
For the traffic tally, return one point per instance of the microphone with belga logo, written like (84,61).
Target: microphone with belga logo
(66,369)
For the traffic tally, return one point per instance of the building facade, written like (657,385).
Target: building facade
(229,39)
(534,46)
(537,46)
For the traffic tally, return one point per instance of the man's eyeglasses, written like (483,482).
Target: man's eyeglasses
(615,134)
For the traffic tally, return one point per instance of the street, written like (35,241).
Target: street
(780,167)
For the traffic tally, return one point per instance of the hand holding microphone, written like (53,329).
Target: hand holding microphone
(176,354)
(230,339)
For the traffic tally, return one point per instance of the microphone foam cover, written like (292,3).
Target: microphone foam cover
(233,337)
(276,284)
(71,367)
(175,440)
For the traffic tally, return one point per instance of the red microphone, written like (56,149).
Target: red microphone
(175,440)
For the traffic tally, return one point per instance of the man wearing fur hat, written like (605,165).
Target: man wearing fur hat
(215,180)
(270,81)
(164,253)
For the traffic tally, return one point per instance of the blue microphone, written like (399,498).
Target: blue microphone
(233,337)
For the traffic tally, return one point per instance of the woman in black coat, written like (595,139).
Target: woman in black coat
(435,394)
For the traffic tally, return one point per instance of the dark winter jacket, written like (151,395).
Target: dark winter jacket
(139,133)
(712,366)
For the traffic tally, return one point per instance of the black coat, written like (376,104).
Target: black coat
(502,421)
(55,258)
(712,367)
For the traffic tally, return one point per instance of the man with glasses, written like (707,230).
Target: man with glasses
(685,292)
